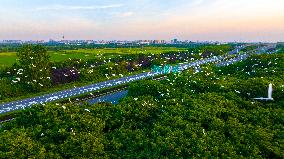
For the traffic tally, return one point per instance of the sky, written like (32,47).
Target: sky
(195,20)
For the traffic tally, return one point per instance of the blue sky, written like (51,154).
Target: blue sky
(222,20)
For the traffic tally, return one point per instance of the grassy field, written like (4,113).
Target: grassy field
(8,59)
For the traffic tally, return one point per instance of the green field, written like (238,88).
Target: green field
(8,59)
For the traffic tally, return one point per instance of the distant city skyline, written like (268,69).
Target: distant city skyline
(195,20)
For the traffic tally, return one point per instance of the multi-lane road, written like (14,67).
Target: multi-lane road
(21,104)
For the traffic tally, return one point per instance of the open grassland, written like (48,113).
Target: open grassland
(9,58)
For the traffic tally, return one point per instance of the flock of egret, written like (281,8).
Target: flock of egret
(219,60)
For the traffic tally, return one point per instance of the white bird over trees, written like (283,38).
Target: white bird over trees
(269,98)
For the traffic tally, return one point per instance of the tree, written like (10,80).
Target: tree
(34,69)
(64,75)
(51,131)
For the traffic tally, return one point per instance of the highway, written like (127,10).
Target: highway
(22,104)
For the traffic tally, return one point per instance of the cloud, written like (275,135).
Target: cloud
(71,27)
(63,7)
(125,14)
(198,2)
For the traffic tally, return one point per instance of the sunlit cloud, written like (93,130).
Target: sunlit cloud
(125,14)
(63,7)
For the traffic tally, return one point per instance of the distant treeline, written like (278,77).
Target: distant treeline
(280,46)
(58,47)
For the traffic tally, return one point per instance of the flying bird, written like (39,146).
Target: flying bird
(269,98)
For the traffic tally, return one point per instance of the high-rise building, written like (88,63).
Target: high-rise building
(174,41)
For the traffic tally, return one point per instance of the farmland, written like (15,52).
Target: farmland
(9,58)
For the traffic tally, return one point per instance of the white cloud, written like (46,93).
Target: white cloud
(63,7)
(125,14)
(71,27)
(198,2)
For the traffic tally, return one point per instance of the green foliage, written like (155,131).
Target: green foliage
(7,90)
(16,143)
(208,51)
(52,131)
(249,48)
(34,66)
(153,88)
